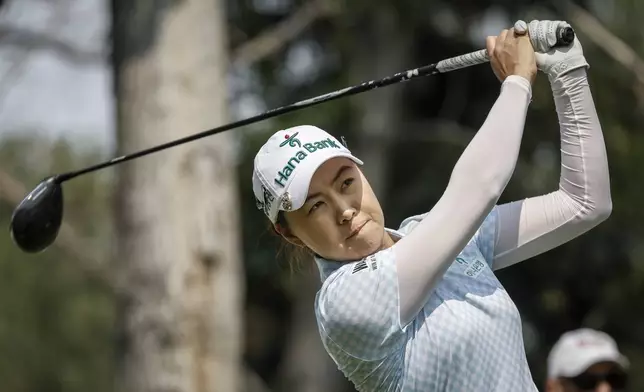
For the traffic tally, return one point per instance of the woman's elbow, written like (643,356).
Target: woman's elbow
(492,187)
(604,210)
(599,211)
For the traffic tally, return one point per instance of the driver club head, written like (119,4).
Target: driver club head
(36,220)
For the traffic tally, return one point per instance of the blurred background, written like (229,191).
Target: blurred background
(164,276)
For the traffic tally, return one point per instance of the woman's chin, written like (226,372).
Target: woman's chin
(367,242)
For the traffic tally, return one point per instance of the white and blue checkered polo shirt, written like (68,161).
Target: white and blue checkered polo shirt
(467,337)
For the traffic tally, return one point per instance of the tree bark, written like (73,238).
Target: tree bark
(178,247)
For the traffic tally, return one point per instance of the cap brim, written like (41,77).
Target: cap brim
(590,360)
(298,189)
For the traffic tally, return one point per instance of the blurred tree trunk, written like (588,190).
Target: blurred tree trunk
(178,250)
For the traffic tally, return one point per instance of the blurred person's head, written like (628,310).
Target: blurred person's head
(586,360)
(315,195)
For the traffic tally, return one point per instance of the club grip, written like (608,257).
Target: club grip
(565,36)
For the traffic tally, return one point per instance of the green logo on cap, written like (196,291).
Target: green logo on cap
(309,148)
(291,141)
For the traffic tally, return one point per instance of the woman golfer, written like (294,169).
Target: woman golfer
(419,308)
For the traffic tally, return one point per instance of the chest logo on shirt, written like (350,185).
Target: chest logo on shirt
(473,269)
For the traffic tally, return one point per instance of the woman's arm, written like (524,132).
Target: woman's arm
(377,302)
(477,181)
(362,312)
(532,226)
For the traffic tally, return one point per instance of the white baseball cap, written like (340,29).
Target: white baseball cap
(286,163)
(577,350)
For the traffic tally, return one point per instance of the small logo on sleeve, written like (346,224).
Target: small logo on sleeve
(369,263)
(361,265)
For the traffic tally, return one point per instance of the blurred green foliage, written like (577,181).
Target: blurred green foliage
(55,323)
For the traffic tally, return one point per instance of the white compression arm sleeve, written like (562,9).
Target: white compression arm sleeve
(532,226)
(477,181)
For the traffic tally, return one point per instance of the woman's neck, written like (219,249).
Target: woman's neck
(389,240)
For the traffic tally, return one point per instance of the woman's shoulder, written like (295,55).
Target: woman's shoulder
(357,307)
(408,224)
(356,291)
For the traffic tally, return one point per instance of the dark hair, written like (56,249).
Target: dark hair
(296,256)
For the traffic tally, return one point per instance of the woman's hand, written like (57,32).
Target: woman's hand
(512,53)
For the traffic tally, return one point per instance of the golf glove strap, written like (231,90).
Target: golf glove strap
(556,61)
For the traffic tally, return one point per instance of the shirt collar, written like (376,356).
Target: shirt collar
(328,267)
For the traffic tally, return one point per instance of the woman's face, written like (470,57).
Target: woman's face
(341,219)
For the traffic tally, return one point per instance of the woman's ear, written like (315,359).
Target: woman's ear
(288,235)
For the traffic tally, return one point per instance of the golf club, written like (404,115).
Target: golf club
(36,220)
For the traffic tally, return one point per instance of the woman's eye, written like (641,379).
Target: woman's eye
(347,183)
(315,206)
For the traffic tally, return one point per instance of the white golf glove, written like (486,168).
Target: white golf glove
(554,62)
